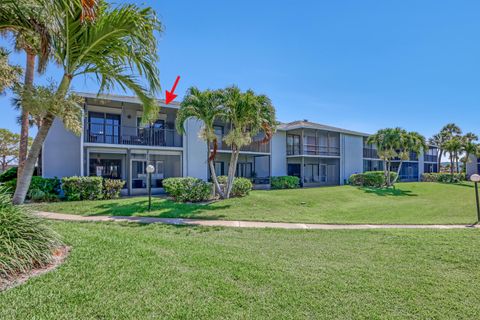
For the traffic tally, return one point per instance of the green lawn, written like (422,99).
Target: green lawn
(410,203)
(125,271)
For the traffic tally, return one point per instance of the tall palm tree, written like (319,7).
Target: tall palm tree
(386,142)
(438,140)
(9,75)
(117,48)
(205,106)
(247,114)
(408,142)
(29,23)
(452,131)
(453,147)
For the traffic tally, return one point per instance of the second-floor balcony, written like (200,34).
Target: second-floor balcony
(313,150)
(370,153)
(125,135)
(255,146)
(430,158)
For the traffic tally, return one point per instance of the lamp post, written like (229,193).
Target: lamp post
(476,179)
(150,170)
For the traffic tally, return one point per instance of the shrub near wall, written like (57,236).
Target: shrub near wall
(241,186)
(82,188)
(375,179)
(285,182)
(41,189)
(443,177)
(187,189)
(112,188)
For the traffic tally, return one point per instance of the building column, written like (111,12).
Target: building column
(302,171)
(129,171)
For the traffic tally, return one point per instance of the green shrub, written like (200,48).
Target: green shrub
(25,241)
(241,186)
(187,189)
(82,188)
(41,189)
(375,179)
(9,174)
(112,188)
(285,182)
(443,177)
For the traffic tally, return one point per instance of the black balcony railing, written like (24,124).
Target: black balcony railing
(293,150)
(430,158)
(113,134)
(255,146)
(370,153)
(314,150)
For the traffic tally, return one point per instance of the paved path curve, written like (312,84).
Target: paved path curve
(244,224)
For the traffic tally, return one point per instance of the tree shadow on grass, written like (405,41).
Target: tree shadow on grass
(384,192)
(461,184)
(161,208)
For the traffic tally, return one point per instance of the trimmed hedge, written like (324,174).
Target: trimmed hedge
(241,186)
(285,182)
(374,179)
(82,188)
(112,188)
(41,189)
(443,177)
(187,189)
(9,174)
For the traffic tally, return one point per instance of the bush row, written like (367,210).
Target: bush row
(443,177)
(91,188)
(74,188)
(374,179)
(285,182)
(190,189)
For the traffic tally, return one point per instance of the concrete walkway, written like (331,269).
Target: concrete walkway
(244,224)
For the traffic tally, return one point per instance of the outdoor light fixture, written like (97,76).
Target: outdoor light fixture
(476,179)
(150,169)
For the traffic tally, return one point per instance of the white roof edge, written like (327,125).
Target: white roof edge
(321,127)
(128,99)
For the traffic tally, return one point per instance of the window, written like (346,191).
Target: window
(293,144)
(106,168)
(219,168)
(103,127)
(311,145)
(244,169)
(218,130)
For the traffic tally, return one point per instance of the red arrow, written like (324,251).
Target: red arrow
(170,95)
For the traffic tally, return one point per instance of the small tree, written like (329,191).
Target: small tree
(9,143)
(396,143)
(247,114)
(205,106)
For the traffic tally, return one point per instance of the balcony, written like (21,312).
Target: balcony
(430,158)
(313,150)
(370,153)
(255,146)
(123,135)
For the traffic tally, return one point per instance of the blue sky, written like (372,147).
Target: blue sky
(361,65)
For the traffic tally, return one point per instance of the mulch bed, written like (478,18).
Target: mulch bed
(59,256)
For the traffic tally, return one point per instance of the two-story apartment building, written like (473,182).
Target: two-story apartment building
(115,144)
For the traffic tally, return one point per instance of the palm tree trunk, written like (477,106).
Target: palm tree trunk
(24,119)
(439,160)
(4,163)
(385,171)
(389,170)
(23,180)
(213,174)
(398,172)
(231,171)
(451,163)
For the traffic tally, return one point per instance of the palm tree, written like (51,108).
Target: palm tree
(247,114)
(453,147)
(408,142)
(118,48)
(438,140)
(9,74)
(469,147)
(29,31)
(205,106)
(451,131)
(386,142)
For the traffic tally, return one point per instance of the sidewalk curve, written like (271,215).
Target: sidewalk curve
(245,224)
